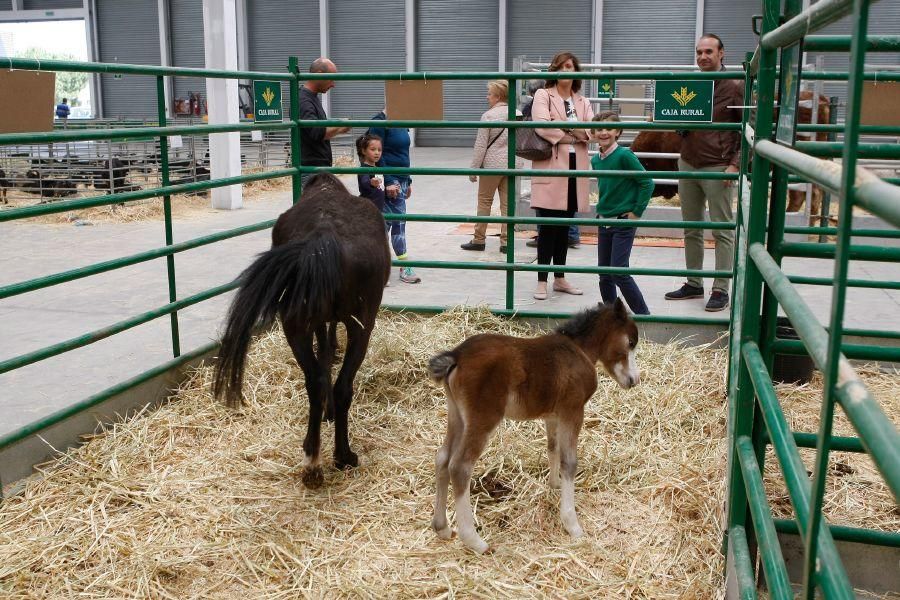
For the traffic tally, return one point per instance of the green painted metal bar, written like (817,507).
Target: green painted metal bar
(843,533)
(665,319)
(833,102)
(858,252)
(167,211)
(835,582)
(84,135)
(841,43)
(503,266)
(636,125)
(836,149)
(20,434)
(105,332)
(511,195)
(706,175)
(33,64)
(851,351)
(844,252)
(743,564)
(110,265)
(812,19)
(740,396)
(435,218)
(877,433)
(841,443)
(66,205)
(858,283)
(873,333)
(878,233)
(777,579)
(296,186)
(871,193)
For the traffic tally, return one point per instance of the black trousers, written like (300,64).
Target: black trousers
(553,240)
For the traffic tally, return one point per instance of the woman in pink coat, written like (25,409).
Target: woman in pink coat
(560,197)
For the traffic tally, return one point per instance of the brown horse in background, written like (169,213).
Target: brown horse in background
(328,264)
(551,377)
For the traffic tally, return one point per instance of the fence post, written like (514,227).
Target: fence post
(826,196)
(812,567)
(296,185)
(511,196)
(167,207)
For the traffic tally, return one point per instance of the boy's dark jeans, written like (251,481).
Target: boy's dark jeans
(614,250)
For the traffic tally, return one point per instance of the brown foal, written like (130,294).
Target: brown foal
(551,377)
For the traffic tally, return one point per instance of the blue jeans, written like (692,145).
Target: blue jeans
(574,235)
(614,250)
(397,229)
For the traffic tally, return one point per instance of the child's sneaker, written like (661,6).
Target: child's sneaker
(407,275)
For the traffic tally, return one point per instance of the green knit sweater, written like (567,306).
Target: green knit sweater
(620,195)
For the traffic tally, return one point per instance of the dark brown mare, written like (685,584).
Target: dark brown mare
(551,377)
(328,264)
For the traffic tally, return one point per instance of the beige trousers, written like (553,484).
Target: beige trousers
(488,185)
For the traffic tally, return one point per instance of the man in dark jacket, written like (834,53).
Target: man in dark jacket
(315,144)
(710,151)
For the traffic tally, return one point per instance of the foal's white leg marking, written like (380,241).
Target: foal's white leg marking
(442,470)
(465,520)
(567,439)
(310,462)
(552,452)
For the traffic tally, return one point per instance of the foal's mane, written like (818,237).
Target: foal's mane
(582,323)
(324,182)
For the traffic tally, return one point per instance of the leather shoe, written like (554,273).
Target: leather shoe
(472,246)
(568,288)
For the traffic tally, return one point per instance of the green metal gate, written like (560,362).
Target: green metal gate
(753,340)
(756,418)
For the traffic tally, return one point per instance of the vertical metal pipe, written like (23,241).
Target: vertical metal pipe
(741,393)
(826,196)
(812,567)
(294,67)
(511,196)
(167,208)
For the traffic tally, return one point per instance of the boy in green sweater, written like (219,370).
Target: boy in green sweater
(620,198)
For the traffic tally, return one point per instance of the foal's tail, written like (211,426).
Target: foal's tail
(441,365)
(299,279)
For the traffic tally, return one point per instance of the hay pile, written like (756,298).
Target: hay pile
(150,209)
(193,501)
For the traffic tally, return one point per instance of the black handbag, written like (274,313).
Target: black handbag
(529,145)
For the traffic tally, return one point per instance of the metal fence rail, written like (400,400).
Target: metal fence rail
(871,194)
(756,418)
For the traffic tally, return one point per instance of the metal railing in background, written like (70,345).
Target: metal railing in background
(756,419)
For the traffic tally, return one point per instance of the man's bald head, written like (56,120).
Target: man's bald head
(321,65)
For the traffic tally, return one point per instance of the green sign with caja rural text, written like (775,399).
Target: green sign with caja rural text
(266,101)
(687,101)
(606,88)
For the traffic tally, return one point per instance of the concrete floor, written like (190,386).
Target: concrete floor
(37,319)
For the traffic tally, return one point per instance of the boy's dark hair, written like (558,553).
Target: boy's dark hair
(556,64)
(609,115)
(362,142)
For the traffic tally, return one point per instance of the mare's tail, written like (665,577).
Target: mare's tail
(299,279)
(440,366)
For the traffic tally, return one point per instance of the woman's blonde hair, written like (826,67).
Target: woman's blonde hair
(499,88)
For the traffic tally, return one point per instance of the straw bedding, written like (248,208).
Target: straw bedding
(194,501)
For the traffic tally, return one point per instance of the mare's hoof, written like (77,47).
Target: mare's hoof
(346,461)
(445,534)
(313,478)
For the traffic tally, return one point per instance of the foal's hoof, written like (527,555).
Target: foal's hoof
(313,478)
(346,461)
